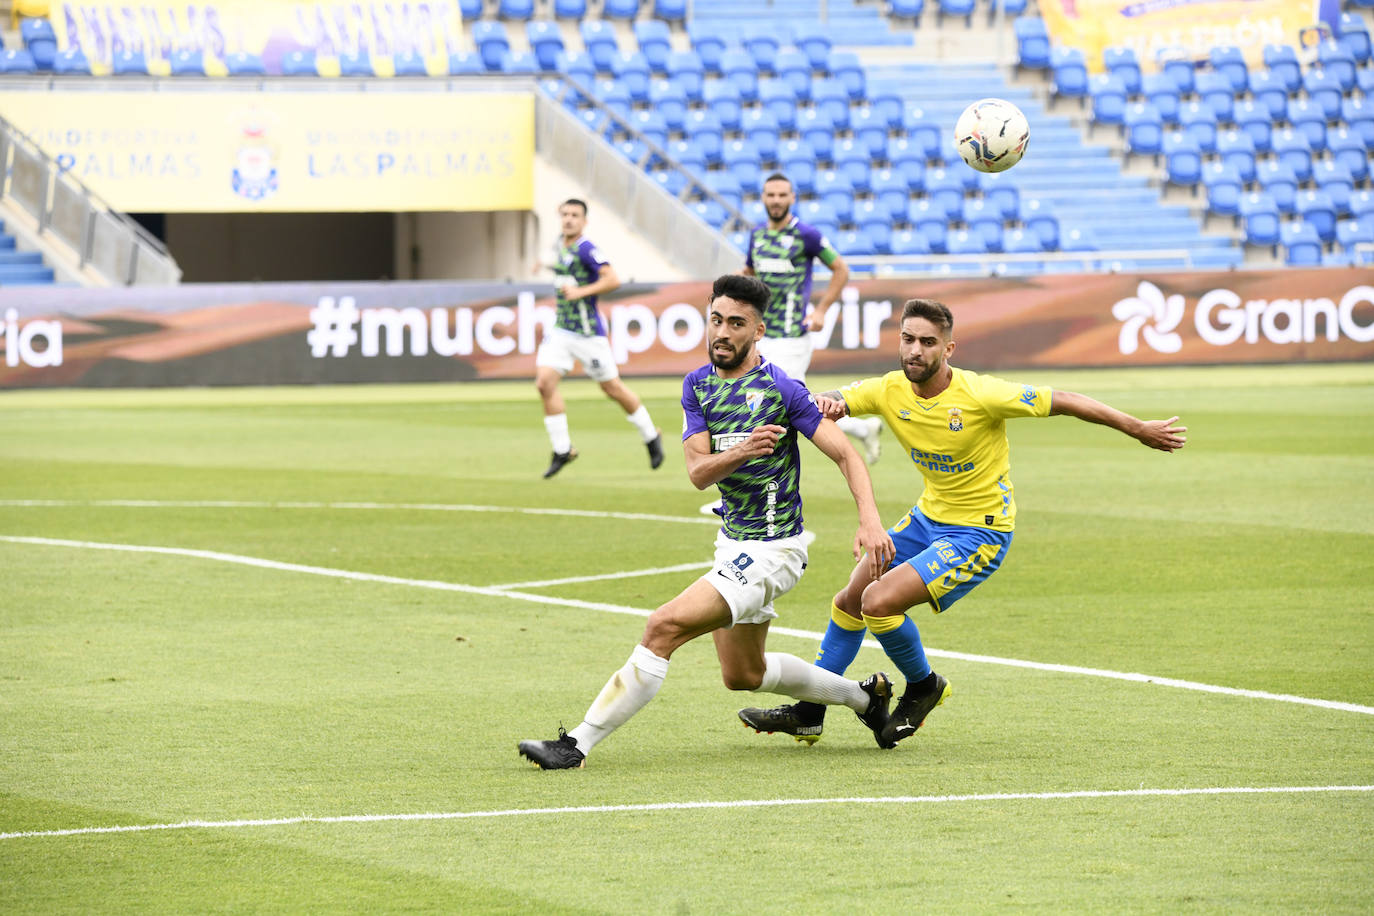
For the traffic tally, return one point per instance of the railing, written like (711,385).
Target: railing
(103,239)
(991,262)
(661,219)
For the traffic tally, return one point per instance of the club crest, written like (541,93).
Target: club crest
(956,420)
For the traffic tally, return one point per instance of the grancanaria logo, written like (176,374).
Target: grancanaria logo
(1149,304)
(956,420)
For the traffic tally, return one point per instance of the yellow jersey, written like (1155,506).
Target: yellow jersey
(957,439)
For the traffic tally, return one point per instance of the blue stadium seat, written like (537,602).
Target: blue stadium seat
(40,40)
(1183,159)
(831,96)
(890,189)
(871,214)
(834,187)
(471,10)
(957,9)
(705,130)
(632,70)
(1229,61)
(909,242)
(613,95)
(815,213)
(1144,130)
(668,99)
(125,62)
(562,9)
(1039,217)
(412,63)
(1001,192)
(636,151)
(491,41)
(575,64)
(1237,149)
(909,160)
(1199,122)
(709,41)
(522,10)
(1317,208)
(763,42)
(1021,241)
(1255,120)
(845,67)
(242,63)
(598,38)
(1282,62)
(546,41)
(813,39)
(1309,118)
(852,158)
(620,9)
(738,67)
(299,63)
(191,62)
(1108,94)
(708,211)
(1339,62)
(1271,92)
(1032,43)
(761,129)
(1121,63)
(1224,188)
(672,10)
(651,125)
(945,190)
(726,186)
(460,63)
(742,160)
(1276,179)
(687,154)
(986,220)
(926,134)
(655,43)
(1353,232)
(1069,73)
(723,98)
(686,70)
(1259,219)
(906,9)
(1160,91)
(794,68)
(597,121)
(1324,89)
(855,242)
(776,97)
(1077,238)
(1348,148)
(754,212)
(1215,90)
(890,106)
(1335,179)
(817,129)
(1179,68)
(1354,37)
(1302,245)
(964,241)
(72,62)
(1362,203)
(870,128)
(930,220)
(1358,114)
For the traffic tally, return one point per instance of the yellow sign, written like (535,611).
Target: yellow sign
(1181,28)
(289,151)
(268,29)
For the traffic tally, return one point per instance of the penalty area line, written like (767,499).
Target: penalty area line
(690,806)
(496,592)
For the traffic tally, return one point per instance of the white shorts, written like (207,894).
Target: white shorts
(750,574)
(790,354)
(559,348)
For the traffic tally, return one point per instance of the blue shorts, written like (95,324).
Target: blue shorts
(950,559)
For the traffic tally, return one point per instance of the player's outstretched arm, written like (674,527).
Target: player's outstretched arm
(1158,434)
(871,538)
(832,405)
(705,469)
(839,276)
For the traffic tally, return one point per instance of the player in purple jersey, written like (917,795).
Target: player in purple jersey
(579,334)
(742,418)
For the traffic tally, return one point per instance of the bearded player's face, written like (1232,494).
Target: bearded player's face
(733,328)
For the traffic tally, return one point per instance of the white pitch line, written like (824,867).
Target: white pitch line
(643,612)
(691,806)
(628,574)
(412,507)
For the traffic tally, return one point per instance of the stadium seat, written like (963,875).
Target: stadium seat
(598,38)
(668,99)
(1307,117)
(686,70)
(1032,43)
(1282,63)
(956,9)
(793,68)
(709,41)
(470,9)
(1323,90)
(870,213)
(546,41)
(1229,61)
(834,187)
(1353,232)
(620,9)
(40,40)
(964,241)
(1354,37)
(651,125)
(636,151)
(1338,62)
(741,158)
(870,128)
(491,41)
(1255,120)
(1237,149)
(1336,181)
(191,62)
(1144,130)
(855,243)
(760,128)
(1040,218)
(577,65)
(723,99)
(655,43)
(910,242)
(567,9)
(925,133)
(1077,238)
(1302,246)
(1021,241)
(1069,73)
(945,190)
(1001,192)
(632,70)
(1224,188)
(726,186)
(125,62)
(889,188)
(1348,148)
(816,128)
(597,121)
(738,67)
(909,160)
(845,67)
(1259,219)
(1160,91)
(72,62)
(813,39)
(613,95)
(1199,122)
(763,43)
(671,10)
(930,220)
(1316,208)
(798,162)
(1108,94)
(816,212)
(412,63)
(906,9)
(1269,91)
(986,220)
(687,154)
(1183,159)
(1179,67)
(1362,203)
(242,63)
(776,97)
(1121,63)
(521,10)
(890,106)
(705,130)
(708,211)
(830,96)
(852,158)
(299,63)
(1358,114)
(1276,179)
(1215,90)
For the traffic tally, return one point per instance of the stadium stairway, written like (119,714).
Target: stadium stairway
(21,268)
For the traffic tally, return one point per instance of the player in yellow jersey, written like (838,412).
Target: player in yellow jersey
(952,424)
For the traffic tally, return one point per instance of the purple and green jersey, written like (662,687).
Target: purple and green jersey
(582,261)
(782,259)
(761,499)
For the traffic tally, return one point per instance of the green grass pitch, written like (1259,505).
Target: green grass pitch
(284,705)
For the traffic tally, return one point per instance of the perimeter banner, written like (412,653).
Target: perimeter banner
(1182,28)
(410,332)
(269,29)
(181,151)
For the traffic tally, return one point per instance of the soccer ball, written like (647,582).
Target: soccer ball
(991,135)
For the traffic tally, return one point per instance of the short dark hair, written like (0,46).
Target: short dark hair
(575,202)
(742,288)
(934,312)
(777,176)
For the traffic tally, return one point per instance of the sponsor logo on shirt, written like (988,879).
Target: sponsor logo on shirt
(774,266)
(721,441)
(1028,396)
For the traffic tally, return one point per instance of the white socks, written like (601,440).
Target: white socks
(640,420)
(557,425)
(625,694)
(857,427)
(790,676)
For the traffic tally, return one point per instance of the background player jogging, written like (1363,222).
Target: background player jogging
(952,424)
(742,417)
(579,334)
